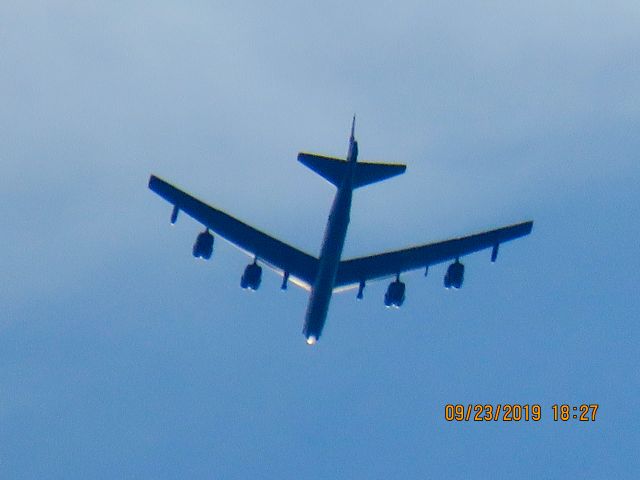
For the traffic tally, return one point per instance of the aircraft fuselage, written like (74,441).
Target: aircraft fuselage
(331,252)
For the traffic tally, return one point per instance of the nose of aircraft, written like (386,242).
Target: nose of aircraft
(311,340)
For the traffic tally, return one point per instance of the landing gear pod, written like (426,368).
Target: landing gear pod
(360,291)
(494,252)
(203,248)
(174,215)
(285,281)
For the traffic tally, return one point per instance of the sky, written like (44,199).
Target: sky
(121,356)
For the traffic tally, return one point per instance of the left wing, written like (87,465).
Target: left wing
(275,253)
(391,263)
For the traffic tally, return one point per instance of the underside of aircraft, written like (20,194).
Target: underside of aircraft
(328,273)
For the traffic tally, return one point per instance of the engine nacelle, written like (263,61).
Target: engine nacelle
(203,248)
(395,294)
(454,276)
(252,277)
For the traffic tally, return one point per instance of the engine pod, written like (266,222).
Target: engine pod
(203,248)
(395,294)
(252,277)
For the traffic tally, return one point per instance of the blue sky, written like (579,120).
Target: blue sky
(123,357)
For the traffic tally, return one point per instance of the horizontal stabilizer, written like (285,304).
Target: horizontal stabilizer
(367,173)
(329,168)
(334,169)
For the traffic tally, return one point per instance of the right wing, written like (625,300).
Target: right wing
(391,263)
(273,252)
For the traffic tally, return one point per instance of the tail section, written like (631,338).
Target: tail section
(334,170)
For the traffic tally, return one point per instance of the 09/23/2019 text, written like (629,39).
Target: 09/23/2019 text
(515,412)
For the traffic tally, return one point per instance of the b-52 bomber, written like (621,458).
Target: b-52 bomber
(327,273)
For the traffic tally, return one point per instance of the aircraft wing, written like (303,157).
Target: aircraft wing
(271,251)
(391,263)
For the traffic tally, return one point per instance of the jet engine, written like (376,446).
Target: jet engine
(395,294)
(455,275)
(203,248)
(252,277)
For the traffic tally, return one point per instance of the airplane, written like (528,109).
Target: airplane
(324,275)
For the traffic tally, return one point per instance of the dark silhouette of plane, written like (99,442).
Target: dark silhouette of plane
(322,276)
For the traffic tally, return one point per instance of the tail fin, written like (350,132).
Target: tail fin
(334,169)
